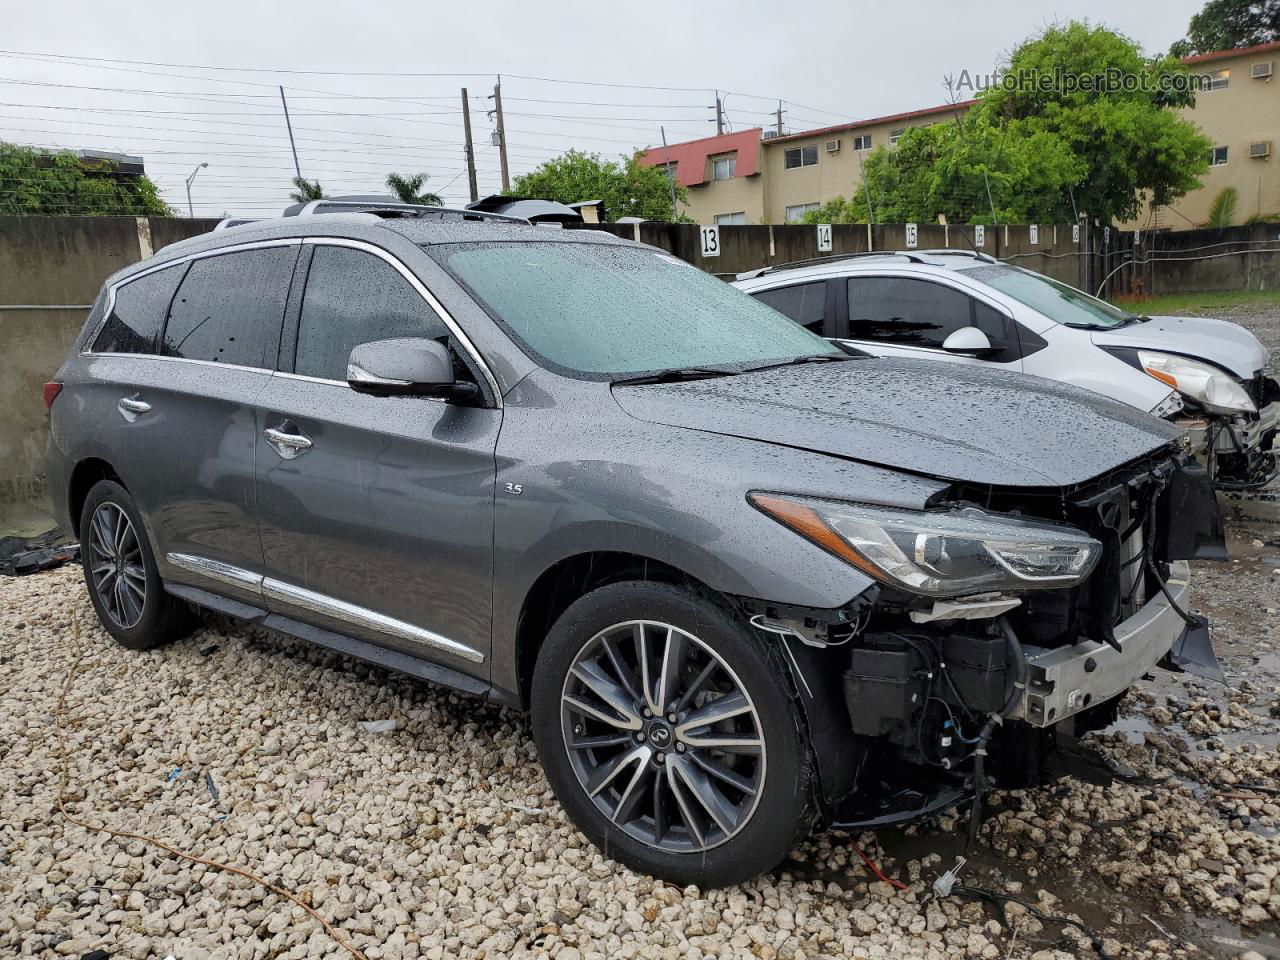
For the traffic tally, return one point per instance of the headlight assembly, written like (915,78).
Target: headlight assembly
(939,554)
(1214,389)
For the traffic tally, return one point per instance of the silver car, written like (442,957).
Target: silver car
(744,582)
(1208,377)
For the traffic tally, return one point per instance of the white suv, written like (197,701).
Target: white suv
(1207,376)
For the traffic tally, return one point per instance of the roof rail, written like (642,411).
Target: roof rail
(830,258)
(314,207)
(234,222)
(955,252)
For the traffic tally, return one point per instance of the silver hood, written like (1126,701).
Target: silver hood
(1224,344)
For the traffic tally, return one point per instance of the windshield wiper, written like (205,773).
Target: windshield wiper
(674,375)
(812,358)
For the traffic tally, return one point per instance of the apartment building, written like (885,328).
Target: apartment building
(751,176)
(1238,108)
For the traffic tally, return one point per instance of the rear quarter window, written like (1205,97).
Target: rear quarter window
(133,326)
(229,308)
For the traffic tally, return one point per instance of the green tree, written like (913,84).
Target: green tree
(626,187)
(1085,128)
(409,189)
(305,190)
(36,183)
(1227,24)
(1223,210)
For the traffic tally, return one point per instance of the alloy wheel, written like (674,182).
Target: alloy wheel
(662,736)
(116,565)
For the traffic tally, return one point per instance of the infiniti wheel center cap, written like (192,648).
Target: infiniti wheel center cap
(660,735)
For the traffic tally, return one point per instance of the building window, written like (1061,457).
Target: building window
(731,219)
(796,213)
(722,168)
(1215,80)
(668,169)
(801,157)
(1218,156)
(862,141)
(896,135)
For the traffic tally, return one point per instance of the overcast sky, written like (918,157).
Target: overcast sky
(828,60)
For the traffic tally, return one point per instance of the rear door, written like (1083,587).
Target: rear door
(186,415)
(903,316)
(378,521)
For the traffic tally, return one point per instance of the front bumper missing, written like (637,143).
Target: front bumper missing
(1244,448)
(1062,681)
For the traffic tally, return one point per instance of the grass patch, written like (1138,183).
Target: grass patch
(1195,302)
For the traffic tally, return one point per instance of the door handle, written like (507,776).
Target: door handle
(131,408)
(288,445)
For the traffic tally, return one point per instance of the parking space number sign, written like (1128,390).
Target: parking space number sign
(710,241)
(824,238)
(911,236)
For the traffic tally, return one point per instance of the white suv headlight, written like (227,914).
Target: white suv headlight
(939,554)
(1213,388)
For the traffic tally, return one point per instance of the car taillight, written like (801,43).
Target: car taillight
(51,391)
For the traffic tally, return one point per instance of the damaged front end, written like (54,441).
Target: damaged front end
(920,691)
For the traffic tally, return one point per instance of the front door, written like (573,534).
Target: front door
(896,316)
(376,513)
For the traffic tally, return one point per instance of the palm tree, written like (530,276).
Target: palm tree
(306,190)
(407,189)
(1223,209)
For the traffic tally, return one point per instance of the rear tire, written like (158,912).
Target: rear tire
(120,572)
(715,796)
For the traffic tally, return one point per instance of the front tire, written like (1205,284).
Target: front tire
(121,575)
(669,734)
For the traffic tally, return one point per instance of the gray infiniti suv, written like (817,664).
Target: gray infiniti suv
(744,581)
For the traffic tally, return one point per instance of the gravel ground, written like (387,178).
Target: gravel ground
(441,838)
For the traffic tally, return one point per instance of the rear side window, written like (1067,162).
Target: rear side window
(805,303)
(353,297)
(901,310)
(229,308)
(133,326)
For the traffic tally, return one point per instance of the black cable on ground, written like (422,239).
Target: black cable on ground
(998,900)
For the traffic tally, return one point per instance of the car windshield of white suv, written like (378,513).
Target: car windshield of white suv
(613,311)
(1057,301)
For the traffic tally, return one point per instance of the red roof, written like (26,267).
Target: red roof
(1237,52)
(690,157)
(928,111)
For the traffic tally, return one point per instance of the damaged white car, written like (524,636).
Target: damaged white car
(1207,376)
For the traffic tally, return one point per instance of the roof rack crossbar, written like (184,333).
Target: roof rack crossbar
(416,209)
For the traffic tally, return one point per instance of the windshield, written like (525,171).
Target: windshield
(1057,301)
(608,311)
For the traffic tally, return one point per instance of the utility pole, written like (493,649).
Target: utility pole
(292,146)
(719,115)
(471,151)
(502,135)
(671,176)
(779,114)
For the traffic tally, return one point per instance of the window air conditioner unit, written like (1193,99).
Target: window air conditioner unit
(1261,71)
(769,135)
(833,146)
(1260,148)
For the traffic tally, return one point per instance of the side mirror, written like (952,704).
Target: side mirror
(969,341)
(406,367)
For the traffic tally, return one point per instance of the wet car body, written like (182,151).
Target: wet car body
(460,535)
(1208,377)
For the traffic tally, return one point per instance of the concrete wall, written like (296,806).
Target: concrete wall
(51,269)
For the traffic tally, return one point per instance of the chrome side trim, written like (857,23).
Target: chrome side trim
(361,616)
(169,264)
(155,356)
(326,606)
(216,570)
(426,295)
